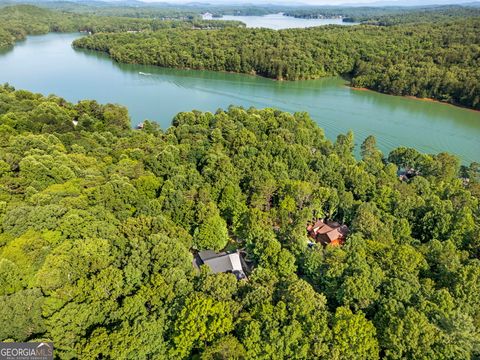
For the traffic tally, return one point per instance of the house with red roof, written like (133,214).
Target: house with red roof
(327,232)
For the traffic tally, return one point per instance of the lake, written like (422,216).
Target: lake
(49,65)
(280,21)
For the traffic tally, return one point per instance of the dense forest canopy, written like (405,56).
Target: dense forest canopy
(98,224)
(428,60)
(157,10)
(16,22)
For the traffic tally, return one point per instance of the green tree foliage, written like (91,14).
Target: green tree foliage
(21,314)
(211,234)
(354,336)
(201,321)
(99,224)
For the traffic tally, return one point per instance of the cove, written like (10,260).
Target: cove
(49,65)
(280,21)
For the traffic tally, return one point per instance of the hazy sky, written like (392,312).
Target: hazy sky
(320,2)
(313,2)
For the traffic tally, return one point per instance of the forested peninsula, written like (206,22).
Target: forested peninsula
(438,60)
(99,224)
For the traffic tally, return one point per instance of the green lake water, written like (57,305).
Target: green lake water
(49,65)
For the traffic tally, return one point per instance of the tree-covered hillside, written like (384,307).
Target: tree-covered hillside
(388,15)
(428,60)
(384,15)
(98,225)
(16,22)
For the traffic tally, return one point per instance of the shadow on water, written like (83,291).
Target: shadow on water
(208,75)
(6,50)
(435,112)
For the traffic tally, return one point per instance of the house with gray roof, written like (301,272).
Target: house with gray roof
(221,262)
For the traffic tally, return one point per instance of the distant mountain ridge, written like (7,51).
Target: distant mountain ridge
(280,4)
(259,3)
(413,3)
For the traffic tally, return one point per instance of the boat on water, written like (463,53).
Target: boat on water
(142,73)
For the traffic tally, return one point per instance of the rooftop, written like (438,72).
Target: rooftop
(327,232)
(222,262)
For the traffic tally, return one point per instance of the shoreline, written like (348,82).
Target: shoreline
(416,98)
(254,74)
(251,74)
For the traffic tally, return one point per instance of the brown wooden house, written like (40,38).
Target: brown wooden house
(327,232)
